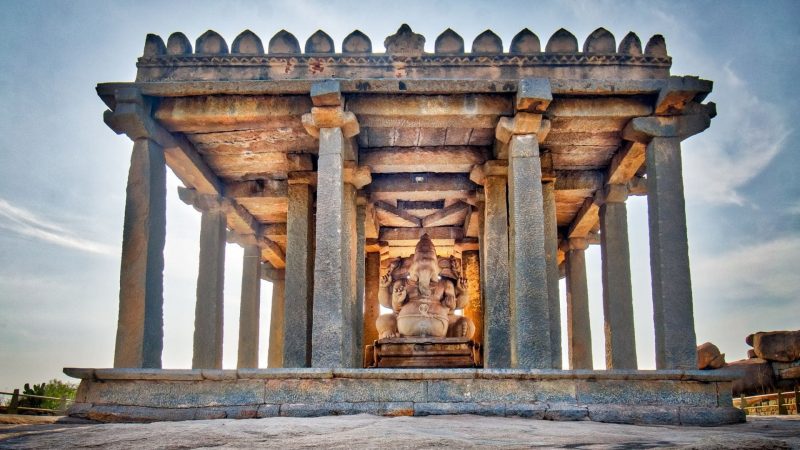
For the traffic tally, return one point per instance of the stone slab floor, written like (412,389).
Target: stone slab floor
(365,431)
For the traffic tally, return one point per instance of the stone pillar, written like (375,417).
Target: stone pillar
(372,309)
(360,257)
(140,328)
(553,275)
(333,330)
(470,260)
(497,324)
(250,308)
(616,271)
(208,317)
(277,325)
(331,265)
(669,257)
(530,301)
(578,328)
(299,286)
(676,342)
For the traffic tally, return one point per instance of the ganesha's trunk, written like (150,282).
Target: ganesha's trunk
(424,277)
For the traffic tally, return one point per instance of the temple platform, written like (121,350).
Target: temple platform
(423,352)
(671,397)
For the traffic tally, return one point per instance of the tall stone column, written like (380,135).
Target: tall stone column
(140,328)
(250,307)
(578,328)
(530,300)
(208,320)
(497,324)
(372,309)
(360,257)
(334,264)
(669,250)
(470,260)
(553,275)
(617,290)
(300,239)
(277,325)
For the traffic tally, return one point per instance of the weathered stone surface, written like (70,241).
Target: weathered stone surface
(565,412)
(449,42)
(405,42)
(755,377)
(320,42)
(371,305)
(283,42)
(534,94)
(579,333)
(656,46)
(247,43)
(250,307)
(356,42)
(630,45)
(783,346)
(617,291)
(487,42)
(140,326)
(300,229)
(208,319)
(525,42)
(343,390)
(277,327)
(562,41)
(154,46)
(210,43)
(553,275)
(709,357)
(529,298)
(642,415)
(694,416)
(600,41)
(669,257)
(179,44)
(653,392)
(499,390)
(497,323)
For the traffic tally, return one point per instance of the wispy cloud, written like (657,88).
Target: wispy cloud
(754,274)
(27,223)
(746,137)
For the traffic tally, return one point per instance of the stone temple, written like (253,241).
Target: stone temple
(454,189)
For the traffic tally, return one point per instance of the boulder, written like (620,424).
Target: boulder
(709,357)
(755,377)
(751,354)
(783,346)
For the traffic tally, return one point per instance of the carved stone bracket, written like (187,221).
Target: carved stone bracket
(358,176)
(204,202)
(696,118)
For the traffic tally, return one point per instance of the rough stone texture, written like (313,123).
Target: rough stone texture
(250,307)
(529,298)
(277,326)
(360,286)
(350,327)
(299,287)
(669,257)
(372,308)
(208,318)
(755,377)
(497,323)
(474,310)
(553,274)
(783,346)
(140,328)
(331,269)
(617,290)
(709,357)
(578,326)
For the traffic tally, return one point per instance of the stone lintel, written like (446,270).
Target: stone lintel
(533,95)
(643,129)
(679,91)
(327,93)
(243,240)
(330,117)
(271,274)
(587,217)
(303,177)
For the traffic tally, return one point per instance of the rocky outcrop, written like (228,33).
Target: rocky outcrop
(772,364)
(709,357)
(783,346)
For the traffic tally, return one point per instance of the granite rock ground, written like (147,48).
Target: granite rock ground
(366,431)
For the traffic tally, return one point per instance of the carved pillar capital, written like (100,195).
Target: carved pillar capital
(491,168)
(204,202)
(358,176)
(578,243)
(615,193)
(328,110)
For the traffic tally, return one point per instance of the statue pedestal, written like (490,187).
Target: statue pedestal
(423,352)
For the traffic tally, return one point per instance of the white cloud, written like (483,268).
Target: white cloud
(27,223)
(757,273)
(742,141)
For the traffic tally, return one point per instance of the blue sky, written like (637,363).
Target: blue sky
(63,172)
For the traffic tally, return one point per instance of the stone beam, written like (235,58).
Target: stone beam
(697,118)
(429,111)
(420,187)
(608,107)
(587,217)
(423,159)
(625,163)
(390,216)
(215,113)
(410,236)
(454,214)
(679,92)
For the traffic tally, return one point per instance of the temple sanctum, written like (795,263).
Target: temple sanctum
(414,213)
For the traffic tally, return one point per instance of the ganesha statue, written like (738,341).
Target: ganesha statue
(423,292)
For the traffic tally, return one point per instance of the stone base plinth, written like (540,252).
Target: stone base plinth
(423,352)
(634,397)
